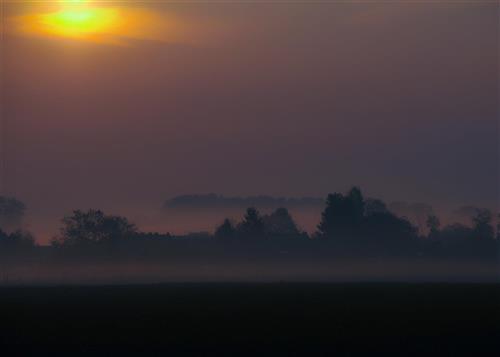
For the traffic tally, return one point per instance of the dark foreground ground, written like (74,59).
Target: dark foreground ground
(252,319)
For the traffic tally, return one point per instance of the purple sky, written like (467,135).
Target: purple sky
(286,99)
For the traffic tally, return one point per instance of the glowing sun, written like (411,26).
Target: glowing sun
(83,20)
(80,21)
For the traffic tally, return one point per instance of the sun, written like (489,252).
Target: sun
(78,19)
(80,23)
(100,22)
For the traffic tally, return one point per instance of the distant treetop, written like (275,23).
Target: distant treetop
(11,213)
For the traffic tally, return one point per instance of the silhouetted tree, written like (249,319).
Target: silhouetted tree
(482,225)
(93,227)
(328,225)
(421,211)
(343,215)
(373,206)
(455,233)
(11,212)
(356,204)
(416,212)
(152,236)
(388,230)
(498,228)
(433,225)
(280,223)
(16,240)
(357,222)
(252,225)
(226,231)
(4,238)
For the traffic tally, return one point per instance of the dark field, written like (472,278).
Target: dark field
(253,319)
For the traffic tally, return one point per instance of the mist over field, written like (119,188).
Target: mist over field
(353,238)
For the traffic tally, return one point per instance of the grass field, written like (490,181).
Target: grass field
(253,319)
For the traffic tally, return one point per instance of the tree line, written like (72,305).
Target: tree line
(348,220)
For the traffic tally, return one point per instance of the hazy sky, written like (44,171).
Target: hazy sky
(281,98)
